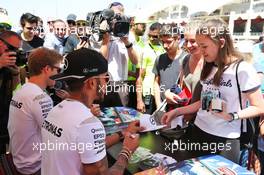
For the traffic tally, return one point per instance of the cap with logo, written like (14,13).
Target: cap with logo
(82,64)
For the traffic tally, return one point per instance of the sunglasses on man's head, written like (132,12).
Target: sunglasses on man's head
(4,26)
(9,46)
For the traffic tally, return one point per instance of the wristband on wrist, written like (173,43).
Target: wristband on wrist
(129,45)
(124,155)
(127,149)
(126,152)
(234,116)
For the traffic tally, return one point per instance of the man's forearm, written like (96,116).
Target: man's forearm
(157,94)
(104,50)
(190,109)
(133,56)
(119,166)
(139,88)
(111,140)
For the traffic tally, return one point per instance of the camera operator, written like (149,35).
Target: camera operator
(117,50)
(28,108)
(9,79)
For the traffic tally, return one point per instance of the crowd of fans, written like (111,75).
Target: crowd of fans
(52,80)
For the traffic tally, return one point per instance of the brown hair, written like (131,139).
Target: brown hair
(216,29)
(40,58)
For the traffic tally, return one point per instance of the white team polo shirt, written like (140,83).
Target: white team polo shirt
(72,136)
(28,108)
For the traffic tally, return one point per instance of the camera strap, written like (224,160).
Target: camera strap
(238,87)
(250,120)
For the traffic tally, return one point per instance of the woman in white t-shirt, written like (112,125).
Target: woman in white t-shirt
(217,124)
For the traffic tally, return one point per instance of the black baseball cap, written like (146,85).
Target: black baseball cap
(82,64)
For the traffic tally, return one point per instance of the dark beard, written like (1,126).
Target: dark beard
(99,93)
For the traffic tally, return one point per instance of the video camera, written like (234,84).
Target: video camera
(107,21)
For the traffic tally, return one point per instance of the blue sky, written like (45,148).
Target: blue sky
(61,8)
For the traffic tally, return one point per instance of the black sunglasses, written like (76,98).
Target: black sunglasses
(71,22)
(59,70)
(9,46)
(40,30)
(5,26)
(153,36)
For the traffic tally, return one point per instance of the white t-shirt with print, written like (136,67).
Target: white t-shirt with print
(28,108)
(227,91)
(72,136)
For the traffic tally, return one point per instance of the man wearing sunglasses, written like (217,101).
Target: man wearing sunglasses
(74,125)
(145,81)
(29,23)
(9,79)
(137,30)
(28,109)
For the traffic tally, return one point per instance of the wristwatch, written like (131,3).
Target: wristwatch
(234,116)
(129,45)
